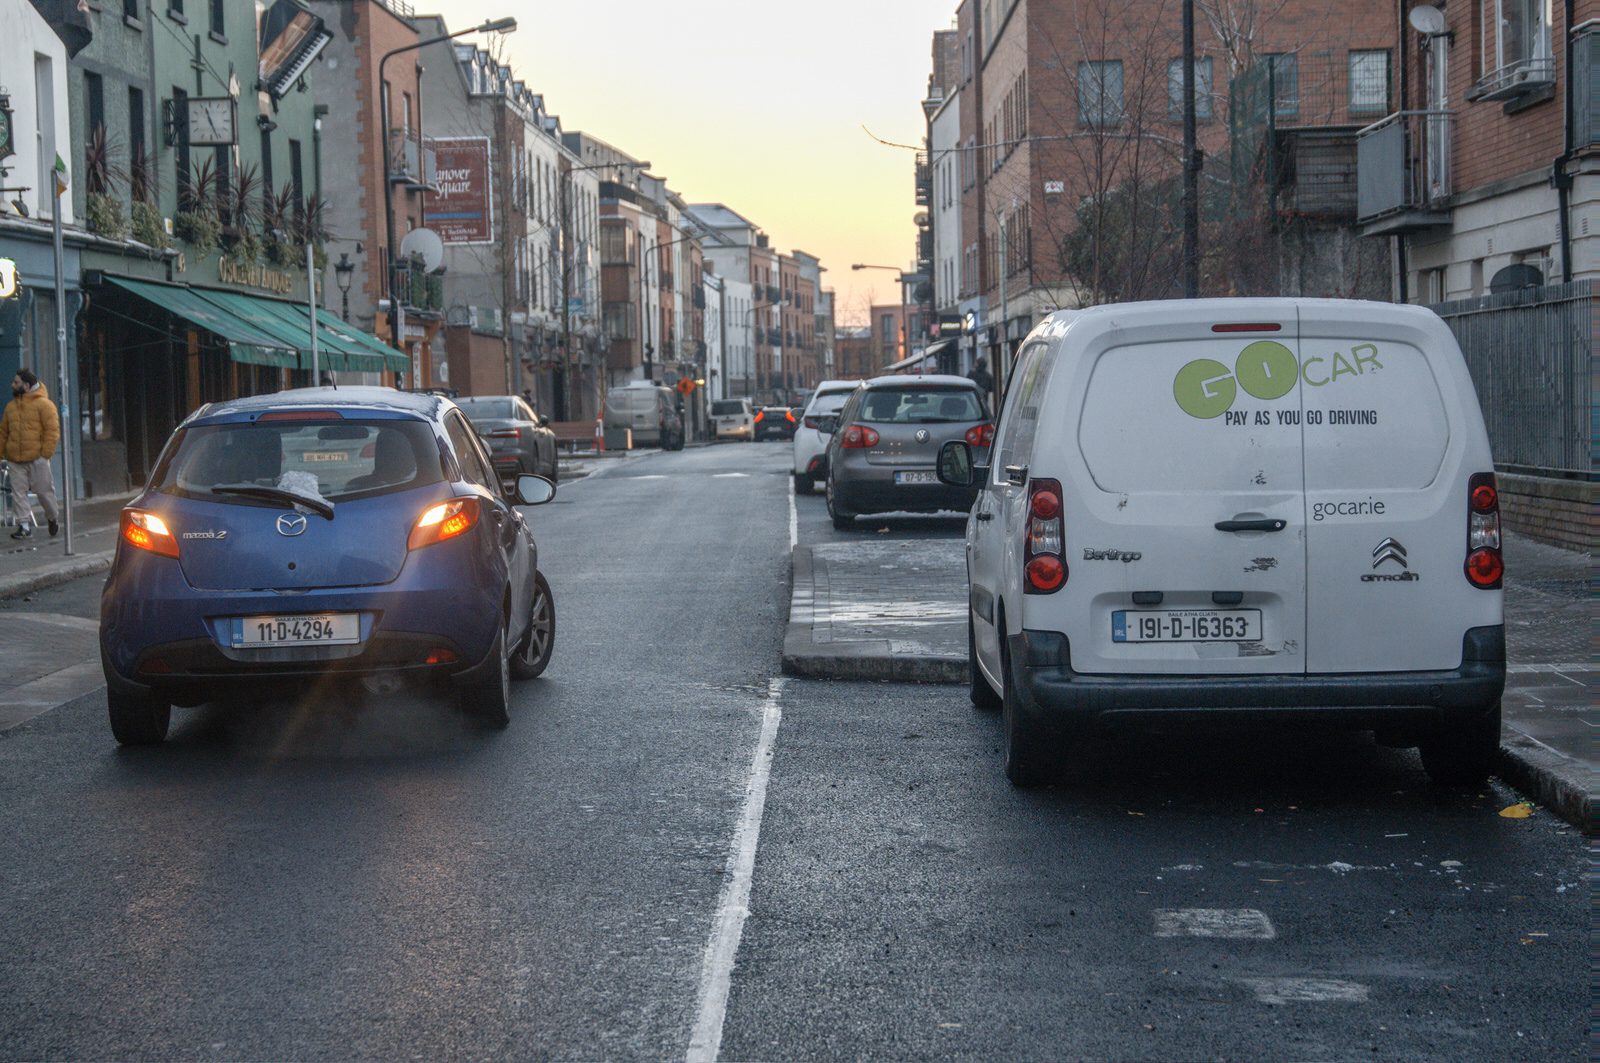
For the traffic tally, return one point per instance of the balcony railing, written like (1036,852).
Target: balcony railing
(1403,179)
(924,180)
(412,160)
(699,298)
(1520,78)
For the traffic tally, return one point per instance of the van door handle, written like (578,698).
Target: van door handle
(1017,474)
(983,516)
(1251,525)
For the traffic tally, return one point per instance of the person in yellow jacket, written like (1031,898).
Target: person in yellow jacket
(30,428)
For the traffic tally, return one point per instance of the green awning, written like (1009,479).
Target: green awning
(279,319)
(379,356)
(247,342)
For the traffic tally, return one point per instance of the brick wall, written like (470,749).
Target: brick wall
(1558,512)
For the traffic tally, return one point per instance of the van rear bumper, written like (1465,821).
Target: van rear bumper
(1057,698)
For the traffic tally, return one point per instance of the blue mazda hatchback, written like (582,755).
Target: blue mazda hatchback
(289,538)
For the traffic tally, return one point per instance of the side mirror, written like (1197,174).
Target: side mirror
(827,424)
(534,490)
(955,463)
(544,422)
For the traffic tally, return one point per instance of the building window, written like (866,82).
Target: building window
(138,164)
(218,26)
(1100,93)
(266,171)
(1369,82)
(175,9)
(95,94)
(1284,70)
(1202,89)
(297,178)
(1513,32)
(1586,89)
(180,110)
(130,9)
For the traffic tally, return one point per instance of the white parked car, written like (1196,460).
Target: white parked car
(1238,511)
(810,444)
(734,419)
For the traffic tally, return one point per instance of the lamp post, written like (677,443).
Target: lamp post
(905,315)
(564,392)
(343,273)
(396,318)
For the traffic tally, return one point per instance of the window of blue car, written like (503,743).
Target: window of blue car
(347,458)
(920,404)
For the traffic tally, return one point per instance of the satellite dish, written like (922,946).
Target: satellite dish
(424,242)
(920,220)
(1428,20)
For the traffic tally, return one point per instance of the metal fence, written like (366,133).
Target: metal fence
(1532,358)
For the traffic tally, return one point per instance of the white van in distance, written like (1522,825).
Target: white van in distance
(1238,510)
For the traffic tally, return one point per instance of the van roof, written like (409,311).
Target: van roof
(1346,311)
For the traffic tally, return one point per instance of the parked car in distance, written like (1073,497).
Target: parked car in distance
(1246,511)
(519,440)
(651,411)
(308,535)
(810,443)
(774,422)
(884,452)
(734,419)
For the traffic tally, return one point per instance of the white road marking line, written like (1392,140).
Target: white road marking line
(1565,666)
(648,476)
(1213,923)
(730,475)
(716,971)
(1306,990)
(794,522)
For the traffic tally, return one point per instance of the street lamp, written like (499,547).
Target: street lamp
(564,393)
(905,314)
(344,272)
(499,25)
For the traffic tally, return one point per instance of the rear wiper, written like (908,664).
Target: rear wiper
(276,494)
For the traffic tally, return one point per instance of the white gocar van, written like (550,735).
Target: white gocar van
(1242,510)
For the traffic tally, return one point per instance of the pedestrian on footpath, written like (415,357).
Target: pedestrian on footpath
(30,428)
(980,376)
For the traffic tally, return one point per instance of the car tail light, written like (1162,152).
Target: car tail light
(444,521)
(858,437)
(440,655)
(1044,553)
(759,415)
(790,415)
(506,433)
(1485,567)
(980,435)
(148,532)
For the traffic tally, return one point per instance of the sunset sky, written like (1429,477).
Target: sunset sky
(760,106)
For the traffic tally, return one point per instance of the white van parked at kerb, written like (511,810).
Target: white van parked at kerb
(1238,510)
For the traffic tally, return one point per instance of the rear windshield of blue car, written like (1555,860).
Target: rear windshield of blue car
(342,458)
(920,405)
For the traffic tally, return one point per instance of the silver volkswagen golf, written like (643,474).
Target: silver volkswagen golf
(884,449)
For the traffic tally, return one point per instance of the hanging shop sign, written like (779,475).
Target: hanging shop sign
(9,284)
(461,211)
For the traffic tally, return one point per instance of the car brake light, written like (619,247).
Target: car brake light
(1248,326)
(443,521)
(1485,567)
(759,415)
(302,415)
(790,415)
(980,435)
(148,532)
(1044,552)
(858,437)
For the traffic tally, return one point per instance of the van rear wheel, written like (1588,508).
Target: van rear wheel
(1027,753)
(1464,754)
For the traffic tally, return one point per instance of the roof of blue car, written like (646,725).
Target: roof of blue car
(374,398)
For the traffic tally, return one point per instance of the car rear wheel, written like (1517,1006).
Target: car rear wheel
(1026,752)
(842,520)
(978,688)
(138,719)
(1465,754)
(533,656)
(487,699)
(802,483)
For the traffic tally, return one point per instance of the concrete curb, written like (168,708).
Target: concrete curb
(864,660)
(54,575)
(1552,779)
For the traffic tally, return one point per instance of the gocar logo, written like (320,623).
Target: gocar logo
(1205,388)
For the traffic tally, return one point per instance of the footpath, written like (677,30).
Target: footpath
(895,610)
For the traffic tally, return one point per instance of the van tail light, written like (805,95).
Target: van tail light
(858,437)
(443,521)
(981,435)
(1044,553)
(505,433)
(1485,567)
(148,532)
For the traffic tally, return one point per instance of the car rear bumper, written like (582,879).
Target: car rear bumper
(158,633)
(737,432)
(878,493)
(1054,697)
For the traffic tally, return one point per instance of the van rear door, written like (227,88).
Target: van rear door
(1391,428)
(1185,521)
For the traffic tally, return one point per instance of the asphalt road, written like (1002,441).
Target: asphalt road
(334,879)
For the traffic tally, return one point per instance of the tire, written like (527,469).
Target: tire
(138,719)
(1466,754)
(978,688)
(802,483)
(533,653)
(487,700)
(842,521)
(1026,753)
